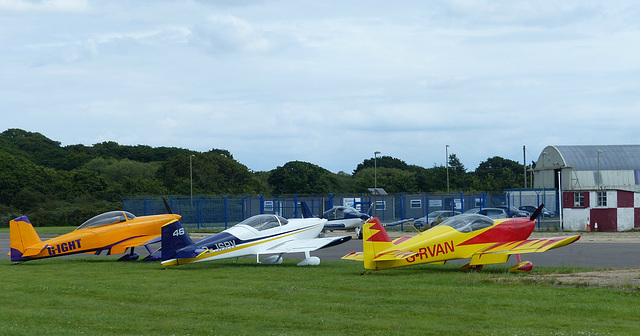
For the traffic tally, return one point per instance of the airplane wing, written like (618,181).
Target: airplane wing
(500,252)
(402,221)
(132,242)
(340,226)
(306,245)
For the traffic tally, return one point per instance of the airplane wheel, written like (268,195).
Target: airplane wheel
(359,232)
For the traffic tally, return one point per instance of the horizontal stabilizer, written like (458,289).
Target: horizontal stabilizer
(357,256)
(394,255)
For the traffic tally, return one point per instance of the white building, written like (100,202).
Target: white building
(599,184)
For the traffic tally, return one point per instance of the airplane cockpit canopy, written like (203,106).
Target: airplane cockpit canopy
(107,218)
(264,222)
(467,223)
(340,212)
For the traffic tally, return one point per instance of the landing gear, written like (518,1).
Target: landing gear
(153,256)
(358,232)
(132,256)
(469,267)
(523,266)
(309,260)
(272,260)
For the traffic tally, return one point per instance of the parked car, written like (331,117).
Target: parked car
(514,212)
(493,213)
(434,217)
(532,209)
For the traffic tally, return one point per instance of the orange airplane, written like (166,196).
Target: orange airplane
(483,240)
(114,231)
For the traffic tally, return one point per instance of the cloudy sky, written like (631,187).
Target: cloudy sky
(327,82)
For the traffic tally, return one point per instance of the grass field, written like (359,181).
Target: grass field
(98,296)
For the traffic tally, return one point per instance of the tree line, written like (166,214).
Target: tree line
(65,185)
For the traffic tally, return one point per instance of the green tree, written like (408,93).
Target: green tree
(17,173)
(381,162)
(392,180)
(297,177)
(35,147)
(213,173)
(497,174)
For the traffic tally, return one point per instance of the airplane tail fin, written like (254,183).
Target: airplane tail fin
(375,239)
(173,238)
(21,235)
(306,212)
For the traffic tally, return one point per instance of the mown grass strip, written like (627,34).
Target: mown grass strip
(98,296)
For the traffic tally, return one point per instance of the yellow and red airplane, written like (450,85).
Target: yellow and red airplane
(113,231)
(483,240)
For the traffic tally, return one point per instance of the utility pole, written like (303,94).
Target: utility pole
(524,154)
(375,169)
(446,153)
(191,175)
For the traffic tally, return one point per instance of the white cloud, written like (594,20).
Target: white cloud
(287,80)
(229,34)
(73,6)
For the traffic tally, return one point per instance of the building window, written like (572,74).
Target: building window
(602,198)
(416,204)
(578,199)
(381,205)
(268,205)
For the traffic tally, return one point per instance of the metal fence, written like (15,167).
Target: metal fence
(223,211)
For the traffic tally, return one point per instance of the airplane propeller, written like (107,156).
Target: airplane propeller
(167,206)
(537,212)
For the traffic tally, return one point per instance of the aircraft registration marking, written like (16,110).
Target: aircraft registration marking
(64,247)
(226,245)
(433,251)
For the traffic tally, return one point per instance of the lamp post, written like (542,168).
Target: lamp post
(375,169)
(599,179)
(544,192)
(191,175)
(446,161)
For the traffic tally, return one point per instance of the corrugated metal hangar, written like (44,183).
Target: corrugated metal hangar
(600,185)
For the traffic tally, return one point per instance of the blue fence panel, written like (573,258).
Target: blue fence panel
(223,211)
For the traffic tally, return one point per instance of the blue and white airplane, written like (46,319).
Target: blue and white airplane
(256,235)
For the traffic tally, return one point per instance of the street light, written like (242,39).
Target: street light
(191,175)
(375,169)
(446,161)
(599,179)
